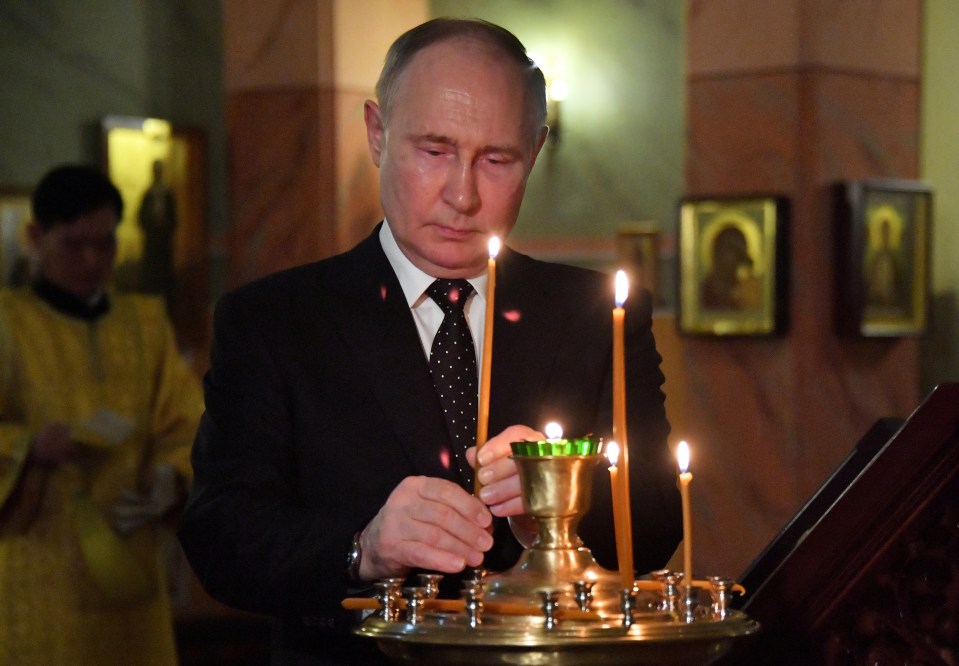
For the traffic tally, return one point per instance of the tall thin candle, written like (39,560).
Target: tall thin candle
(482,417)
(622,553)
(619,415)
(685,477)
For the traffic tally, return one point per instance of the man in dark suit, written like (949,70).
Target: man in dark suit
(324,434)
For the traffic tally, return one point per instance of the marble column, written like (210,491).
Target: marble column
(302,185)
(787,97)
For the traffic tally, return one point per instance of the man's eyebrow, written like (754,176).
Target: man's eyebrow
(442,139)
(511,151)
(434,138)
(449,141)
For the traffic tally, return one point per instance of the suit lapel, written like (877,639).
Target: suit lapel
(370,311)
(527,333)
(377,325)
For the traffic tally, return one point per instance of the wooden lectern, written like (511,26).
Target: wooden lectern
(868,571)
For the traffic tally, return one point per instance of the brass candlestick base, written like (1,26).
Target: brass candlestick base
(556,605)
(556,493)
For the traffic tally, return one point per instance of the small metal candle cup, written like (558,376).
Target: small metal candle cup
(557,490)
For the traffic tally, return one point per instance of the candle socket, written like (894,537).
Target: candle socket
(627,603)
(690,604)
(721,591)
(473,599)
(430,583)
(415,596)
(670,599)
(388,593)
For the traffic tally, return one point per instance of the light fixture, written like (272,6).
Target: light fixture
(557,90)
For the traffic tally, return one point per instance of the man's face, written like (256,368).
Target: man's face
(454,155)
(78,256)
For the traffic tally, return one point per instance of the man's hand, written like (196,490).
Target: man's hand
(137,509)
(426,523)
(53,445)
(497,472)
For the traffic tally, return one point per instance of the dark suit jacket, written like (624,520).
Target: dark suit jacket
(320,401)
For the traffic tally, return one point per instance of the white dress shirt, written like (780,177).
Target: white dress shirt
(427,314)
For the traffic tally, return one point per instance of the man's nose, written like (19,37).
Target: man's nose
(92,257)
(461,192)
(89,256)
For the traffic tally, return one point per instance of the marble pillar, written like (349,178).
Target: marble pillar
(302,185)
(787,97)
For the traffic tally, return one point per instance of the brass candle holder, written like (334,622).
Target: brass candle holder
(557,490)
(556,605)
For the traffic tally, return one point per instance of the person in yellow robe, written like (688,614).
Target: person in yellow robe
(97,415)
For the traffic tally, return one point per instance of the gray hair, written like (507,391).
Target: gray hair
(438,30)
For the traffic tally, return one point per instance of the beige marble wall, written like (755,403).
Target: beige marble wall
(786,97)
(297,73)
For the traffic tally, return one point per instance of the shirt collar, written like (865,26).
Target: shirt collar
(70,304)
(413,281)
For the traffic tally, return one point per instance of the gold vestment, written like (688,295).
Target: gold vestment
(73,591)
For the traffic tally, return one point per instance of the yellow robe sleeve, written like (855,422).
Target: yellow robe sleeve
(14,434)
(178,400)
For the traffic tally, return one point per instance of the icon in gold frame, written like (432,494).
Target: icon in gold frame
(883,263)
(733,277)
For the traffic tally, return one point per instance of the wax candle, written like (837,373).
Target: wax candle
(619,364)
(619,527)
(482,417)
(554,444)
(553,430)
(619,417)
(685,477)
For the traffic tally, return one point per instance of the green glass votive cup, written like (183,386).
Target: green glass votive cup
(560,446)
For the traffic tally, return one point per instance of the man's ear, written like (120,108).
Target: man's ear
(538,146)
(375,130)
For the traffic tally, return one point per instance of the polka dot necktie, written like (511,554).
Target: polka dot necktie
(453,365)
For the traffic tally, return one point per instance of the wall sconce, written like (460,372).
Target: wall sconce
(557,90)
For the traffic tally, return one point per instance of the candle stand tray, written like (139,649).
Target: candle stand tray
(557,605)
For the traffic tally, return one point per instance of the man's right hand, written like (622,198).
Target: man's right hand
(53,445)
(426,523)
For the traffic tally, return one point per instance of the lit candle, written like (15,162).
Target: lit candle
(685,477)
(554,431)
(482,417)
(619,420)
(622,552)
(554,444)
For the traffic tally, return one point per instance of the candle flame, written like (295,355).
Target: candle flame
(494,247)
(622,288)
(553,430)
(682,455)
(612,452)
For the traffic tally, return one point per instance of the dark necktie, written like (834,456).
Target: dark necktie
(453,365)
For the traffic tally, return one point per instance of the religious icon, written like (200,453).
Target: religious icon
(731,282)
(162,237)
(15,214)
(732,275)
(883,264)
(157,217)
(637,253)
